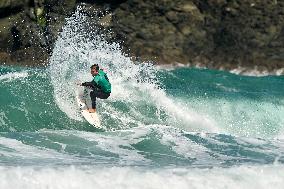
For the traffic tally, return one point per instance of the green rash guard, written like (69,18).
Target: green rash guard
(102,81)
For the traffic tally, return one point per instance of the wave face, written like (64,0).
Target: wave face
(163,128)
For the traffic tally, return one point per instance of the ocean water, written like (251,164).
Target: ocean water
(163,128)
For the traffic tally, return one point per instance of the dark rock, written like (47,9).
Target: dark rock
(8,7)
(215,33)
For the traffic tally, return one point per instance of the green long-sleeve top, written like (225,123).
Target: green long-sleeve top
(100,81)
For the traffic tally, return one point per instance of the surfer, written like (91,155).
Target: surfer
(101,87)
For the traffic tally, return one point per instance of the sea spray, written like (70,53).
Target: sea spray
(136,99)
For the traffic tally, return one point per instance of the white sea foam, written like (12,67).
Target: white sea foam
(253,177)
(239,70)
(13,75)
(256,72)
(120,144)
(184,146)
(3,119)
(24,152)
(243,116)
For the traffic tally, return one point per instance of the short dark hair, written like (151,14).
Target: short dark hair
(95,66)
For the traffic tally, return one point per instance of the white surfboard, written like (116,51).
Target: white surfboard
(84,102)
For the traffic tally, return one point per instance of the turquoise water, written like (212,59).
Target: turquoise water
(177,128)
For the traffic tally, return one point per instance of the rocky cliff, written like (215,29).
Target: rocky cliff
(216,33)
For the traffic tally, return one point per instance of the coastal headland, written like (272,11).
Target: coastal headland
(217,34)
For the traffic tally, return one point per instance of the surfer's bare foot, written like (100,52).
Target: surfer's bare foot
(92,110)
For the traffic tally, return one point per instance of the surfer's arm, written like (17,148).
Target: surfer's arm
(91,84)
(88,84)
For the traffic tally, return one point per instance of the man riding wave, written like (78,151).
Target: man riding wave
(101,87)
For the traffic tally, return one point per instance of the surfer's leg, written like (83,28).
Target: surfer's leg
(102,95)
(97,93)
(94,99)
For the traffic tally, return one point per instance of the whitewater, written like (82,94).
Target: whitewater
(164,128)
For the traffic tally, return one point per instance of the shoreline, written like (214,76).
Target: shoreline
(238,70)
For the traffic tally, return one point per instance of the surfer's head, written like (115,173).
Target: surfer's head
(95,69)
